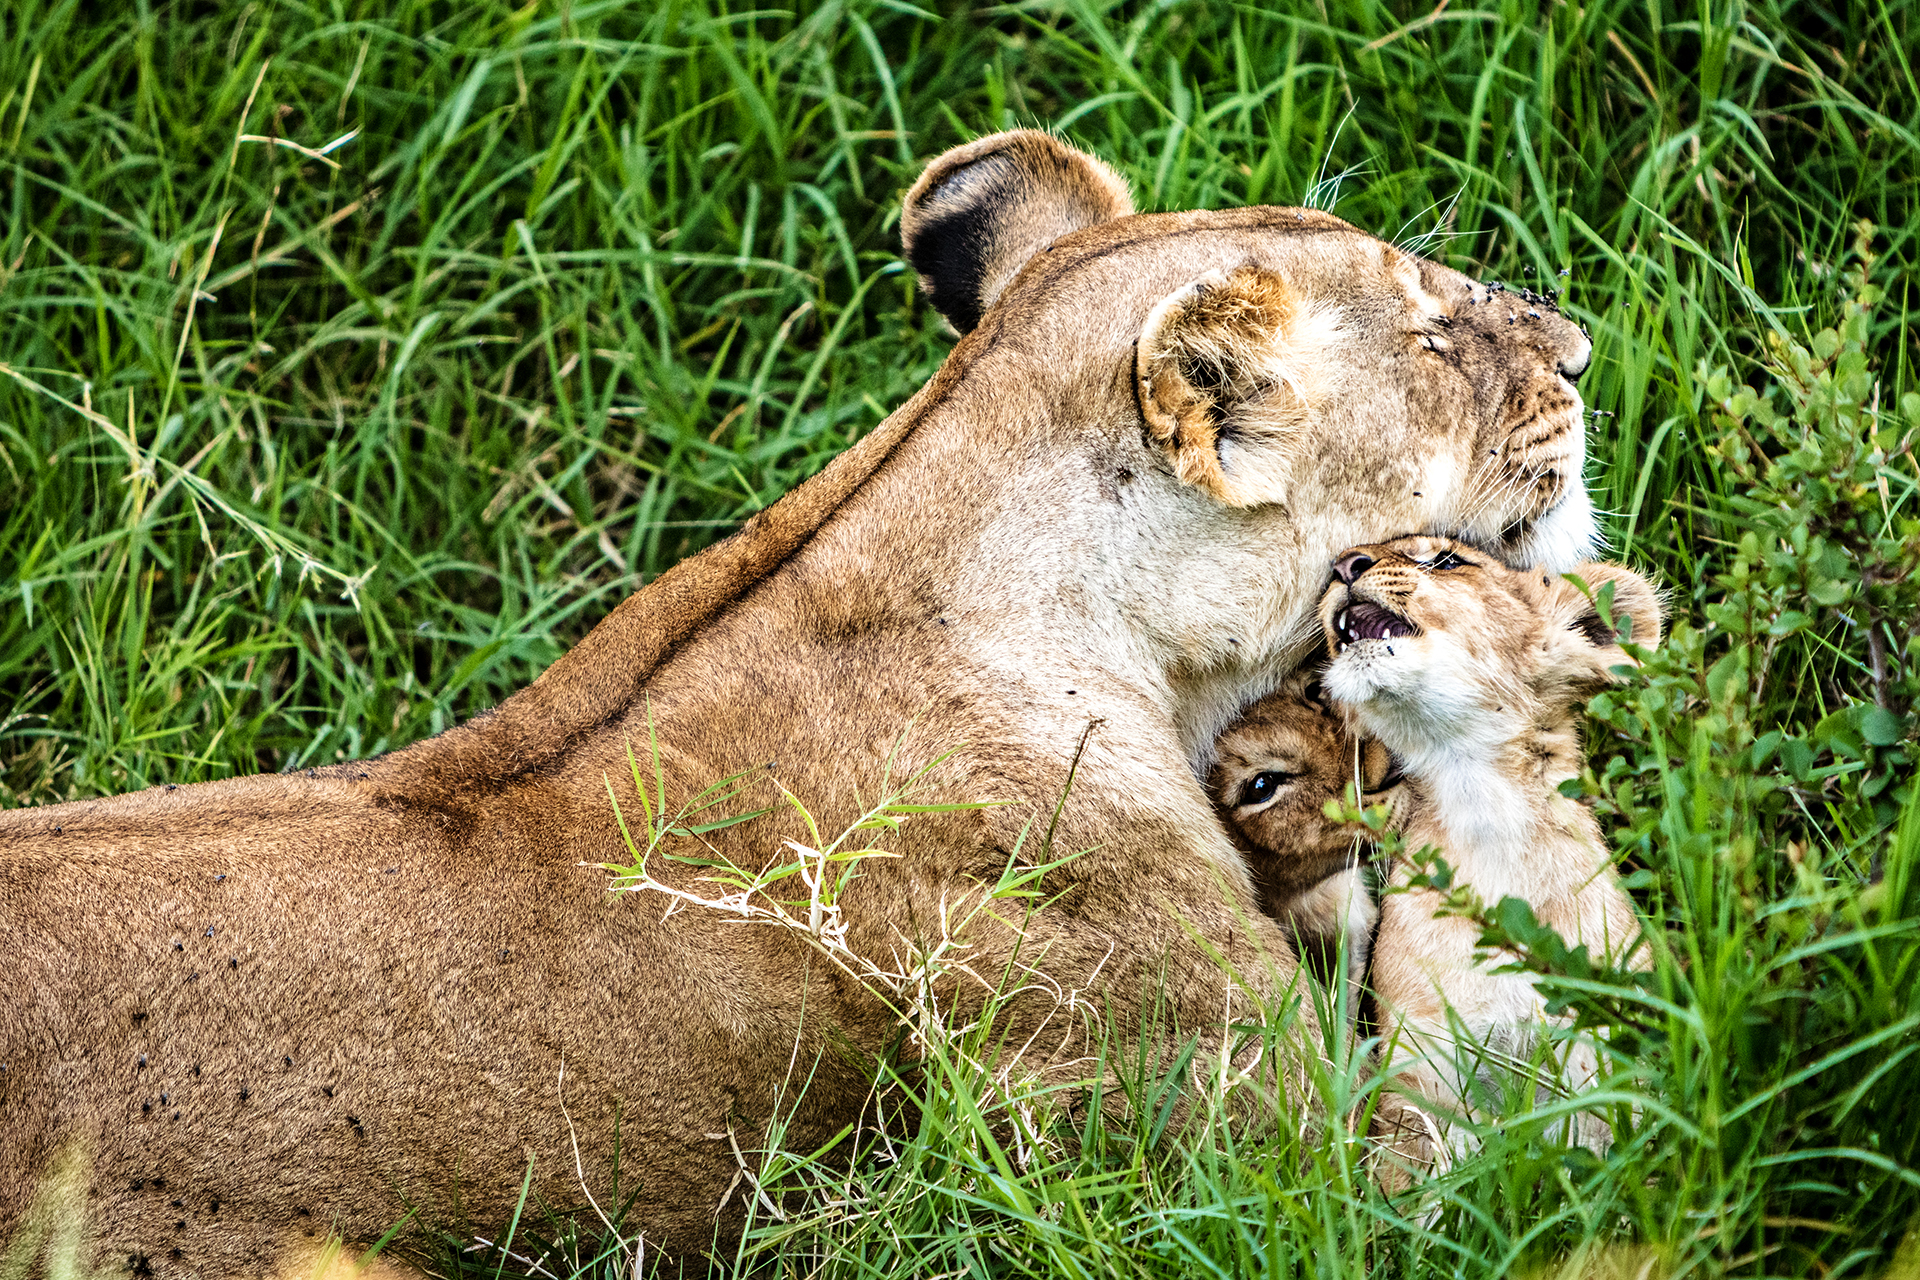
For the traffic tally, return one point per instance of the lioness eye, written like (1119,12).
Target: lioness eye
(1261,788)
(1447,560)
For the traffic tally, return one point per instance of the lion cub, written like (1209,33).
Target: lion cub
(1275,769)
(1471,674)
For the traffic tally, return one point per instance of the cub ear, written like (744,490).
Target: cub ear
(1576,619)
(981,210)
(1223,371)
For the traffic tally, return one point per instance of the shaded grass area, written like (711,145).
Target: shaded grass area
(355,359)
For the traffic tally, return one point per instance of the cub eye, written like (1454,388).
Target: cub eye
(1448,560)
(1263,786)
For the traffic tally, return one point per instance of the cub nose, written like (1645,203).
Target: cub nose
(1352,565)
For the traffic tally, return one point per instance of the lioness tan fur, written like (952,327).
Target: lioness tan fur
(277,1005)
(1472,674)
(1275,770)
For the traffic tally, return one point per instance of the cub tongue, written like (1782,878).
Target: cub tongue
(1367,621)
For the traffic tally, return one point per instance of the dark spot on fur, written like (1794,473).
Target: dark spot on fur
(196,1070)
(163,1099)
(233,962)
(176,1115)
(179,946)
(56,831)
(214,1207)
(143,1060)
(139,1018)
(139,1184)
(359,1130)
(145,1108)
(138,1264)
(159,1184)
(177,1204)
(245,1093)
(287,1060)
(327,1089)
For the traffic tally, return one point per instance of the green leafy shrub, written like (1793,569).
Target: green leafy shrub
(1760,771)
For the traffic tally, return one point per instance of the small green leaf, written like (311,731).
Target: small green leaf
(1880,726)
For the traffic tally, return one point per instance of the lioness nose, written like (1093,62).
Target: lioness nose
(1575,363)
(1352,565)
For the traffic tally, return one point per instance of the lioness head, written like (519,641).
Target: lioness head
(1251,389)
(1441,648)
(1274,771)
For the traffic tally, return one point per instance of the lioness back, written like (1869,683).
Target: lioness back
(488,980)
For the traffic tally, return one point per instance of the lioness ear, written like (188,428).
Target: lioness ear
(981,210)
(1576,620)
(1222,369)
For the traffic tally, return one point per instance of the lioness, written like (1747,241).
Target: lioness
(271,1005)
(1472,673)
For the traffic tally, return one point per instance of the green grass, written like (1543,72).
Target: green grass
(307,457)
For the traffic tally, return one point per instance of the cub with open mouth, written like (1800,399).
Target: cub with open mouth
(1472,673)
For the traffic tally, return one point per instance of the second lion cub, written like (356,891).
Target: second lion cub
(1471,673)
(1275,769)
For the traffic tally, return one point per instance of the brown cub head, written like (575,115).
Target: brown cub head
(1277,766)
(1440,648)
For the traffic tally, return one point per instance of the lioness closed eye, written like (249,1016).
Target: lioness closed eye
(345,996)
(1471,673)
